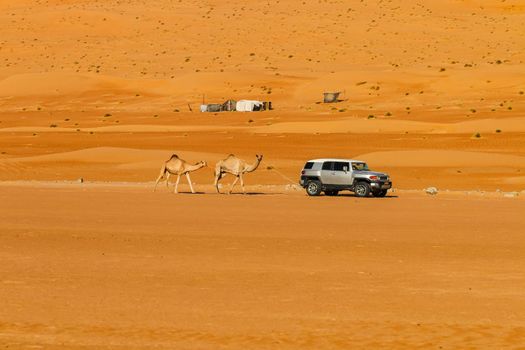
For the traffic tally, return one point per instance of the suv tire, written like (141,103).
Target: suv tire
(313,188)
(362,189)
(380,193)
(331,192)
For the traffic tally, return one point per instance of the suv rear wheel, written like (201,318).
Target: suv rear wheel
(313,188)
(362,189)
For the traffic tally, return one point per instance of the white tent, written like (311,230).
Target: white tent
(247,105)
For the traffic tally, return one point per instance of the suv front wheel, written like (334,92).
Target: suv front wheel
(362,189)
(313,188)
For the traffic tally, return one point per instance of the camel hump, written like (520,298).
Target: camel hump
(231,155)
(173,156)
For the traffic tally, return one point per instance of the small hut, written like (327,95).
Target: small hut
(239,106)
(331,97)
(214,107)
(267,106)
(229,106)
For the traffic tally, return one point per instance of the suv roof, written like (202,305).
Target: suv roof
(335,160)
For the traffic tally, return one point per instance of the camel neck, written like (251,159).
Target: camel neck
(195,166)
(253,166)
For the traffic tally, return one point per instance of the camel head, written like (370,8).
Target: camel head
(259,157)
(203,163)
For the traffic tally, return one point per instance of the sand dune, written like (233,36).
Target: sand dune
(350,125)
(104,91)
(59,85)
(442,158)
(114,155)
(374,125)
(126,129)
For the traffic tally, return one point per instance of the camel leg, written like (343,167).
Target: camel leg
(217,177)
(242,184)
(189,181)
(157,182)
(167,181)
(177,184)
(233,184)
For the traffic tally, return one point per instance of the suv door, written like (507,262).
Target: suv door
(341,174)
(326,173)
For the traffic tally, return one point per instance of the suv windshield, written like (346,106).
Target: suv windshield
(360,166)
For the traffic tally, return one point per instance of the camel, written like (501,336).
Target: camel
(177,166)
(235,166)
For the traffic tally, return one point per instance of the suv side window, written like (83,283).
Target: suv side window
(328,165)
(340,166)
(359,166)
(308,165)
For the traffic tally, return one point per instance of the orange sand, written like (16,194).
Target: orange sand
(433,93)
(93,267)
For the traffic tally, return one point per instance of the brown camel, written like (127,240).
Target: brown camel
(235,166)
(177,166)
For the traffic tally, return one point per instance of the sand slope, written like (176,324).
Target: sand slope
(443,158)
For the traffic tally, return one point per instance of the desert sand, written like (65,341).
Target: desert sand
(88,266)
(105,91)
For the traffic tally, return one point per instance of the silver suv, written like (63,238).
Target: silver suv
(333,175)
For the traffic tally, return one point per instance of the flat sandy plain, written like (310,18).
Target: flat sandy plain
(90,267)
(433,93)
